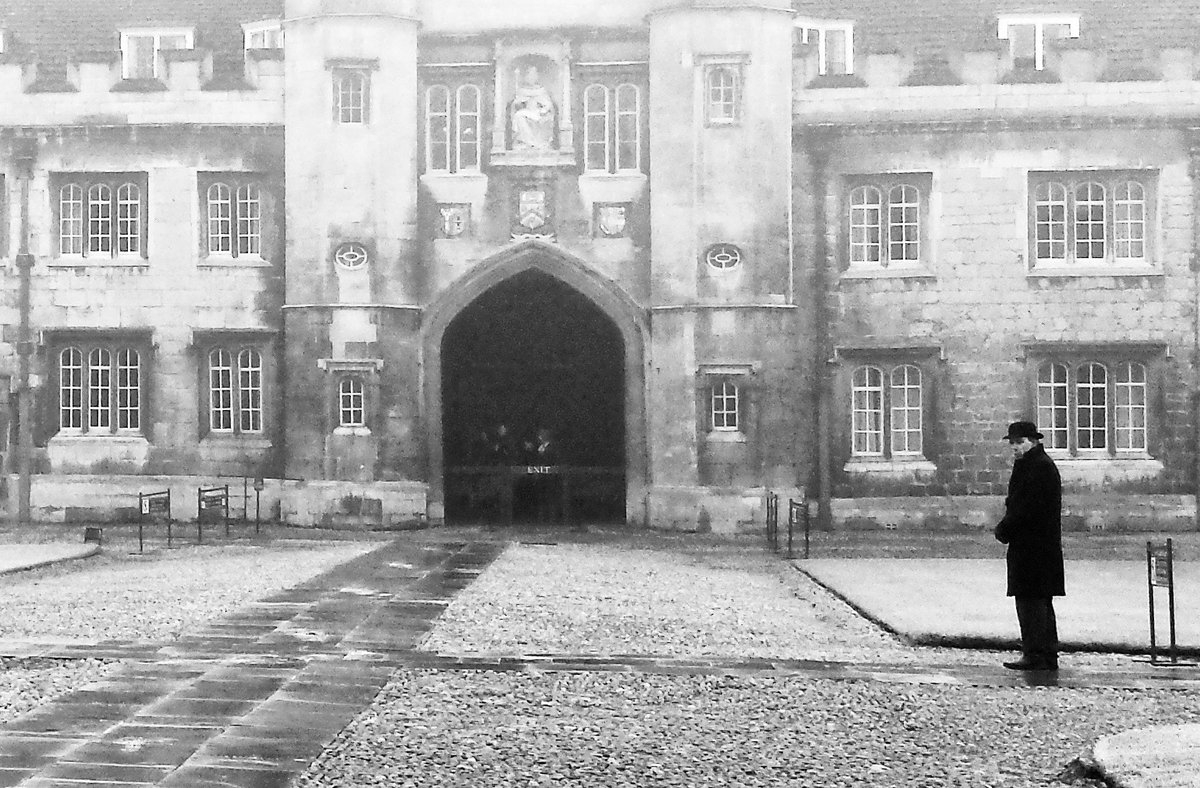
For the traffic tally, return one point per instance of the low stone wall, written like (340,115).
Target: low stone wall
(1097,512)
(714,510)
(66,498)
(336,504)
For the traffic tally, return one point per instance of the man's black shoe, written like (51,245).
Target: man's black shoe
(1024,663)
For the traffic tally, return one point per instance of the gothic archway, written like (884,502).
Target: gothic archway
(477,313)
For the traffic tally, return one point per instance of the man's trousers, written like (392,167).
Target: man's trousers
(1039,628)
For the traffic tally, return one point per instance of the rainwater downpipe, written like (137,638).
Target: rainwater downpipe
(818,149)
(1194,174)
(25,155)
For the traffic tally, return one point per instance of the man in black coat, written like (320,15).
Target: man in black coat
(1032,529)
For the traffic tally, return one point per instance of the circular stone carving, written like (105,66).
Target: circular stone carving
(351,255)
(723,256)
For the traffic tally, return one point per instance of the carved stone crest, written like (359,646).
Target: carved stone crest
(454,219)
(532,212)
(610,219)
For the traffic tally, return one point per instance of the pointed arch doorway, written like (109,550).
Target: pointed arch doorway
(534,339)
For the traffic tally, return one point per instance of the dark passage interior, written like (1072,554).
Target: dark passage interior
(533,354)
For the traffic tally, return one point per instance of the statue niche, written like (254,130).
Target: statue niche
(532,113)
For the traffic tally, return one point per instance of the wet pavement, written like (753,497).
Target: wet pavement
(247,701)
(251,700)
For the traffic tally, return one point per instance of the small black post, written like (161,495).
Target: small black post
(791,523)
(1150,587)
(141,517)
(807,518)
(258,488)
(245,498)
(1171,598)
(226,510)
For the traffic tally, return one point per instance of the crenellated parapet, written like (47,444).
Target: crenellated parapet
(190,89)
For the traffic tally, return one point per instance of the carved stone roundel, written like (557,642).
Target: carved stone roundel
(723,256)
(351,255)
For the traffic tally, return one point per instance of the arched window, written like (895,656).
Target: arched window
(100,219)
(904,223)
(467,127)
(70,219)
(723,87)
(220,391)
(866,420)
(352,402)
(1129,221)
(129,219)
(595,128)
(1091,406)
(70,389)
(100,214)
(350,86)
(235,394)
(453,128)
(1129,423)
(129,389)
(99,389)
(220,219)
(1089,221)
(906,417)
(437,128)
(866,211)
(629,128)
(1050,214)
(250,408)
(1052,406)
(249,216)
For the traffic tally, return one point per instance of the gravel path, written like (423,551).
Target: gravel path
(729,601)
(156,598)
(611,729)
(435,728)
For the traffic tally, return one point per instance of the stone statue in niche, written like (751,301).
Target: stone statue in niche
(531,113)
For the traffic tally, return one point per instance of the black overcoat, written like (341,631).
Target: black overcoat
(1032,527)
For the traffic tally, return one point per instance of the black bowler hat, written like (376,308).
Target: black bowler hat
(1022,429)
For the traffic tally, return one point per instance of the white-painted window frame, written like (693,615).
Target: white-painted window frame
(263,34)
(1006,22)
(820,28)
(157,34)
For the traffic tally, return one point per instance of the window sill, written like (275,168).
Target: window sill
(891,272)
(1067,271)
(1108,469)
(358,432)
(93,452)
(229,261)
(140,85)
(99,262)
(246,440)
(891,468)
(456,187)
(726,436)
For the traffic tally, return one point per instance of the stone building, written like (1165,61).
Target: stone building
(716,248)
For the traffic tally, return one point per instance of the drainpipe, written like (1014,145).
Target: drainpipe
(25,155)
(1194,174)
(818,151)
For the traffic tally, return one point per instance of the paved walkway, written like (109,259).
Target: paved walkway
(251,700)
(18,557)
(248,701)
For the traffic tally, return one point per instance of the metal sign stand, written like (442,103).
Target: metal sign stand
(151,505)
(1160,573)
(208,498)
